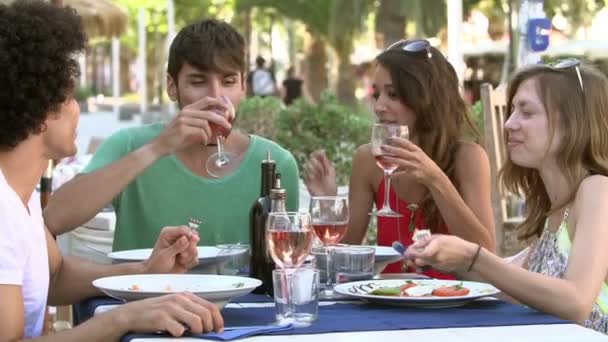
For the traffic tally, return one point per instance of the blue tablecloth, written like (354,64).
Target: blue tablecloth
(345,317)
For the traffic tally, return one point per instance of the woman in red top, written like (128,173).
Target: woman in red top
(443,181)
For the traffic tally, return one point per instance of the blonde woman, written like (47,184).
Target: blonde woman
(557,138)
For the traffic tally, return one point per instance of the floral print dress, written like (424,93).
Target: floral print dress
(550,257)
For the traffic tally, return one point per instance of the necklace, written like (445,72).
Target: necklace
(413,207)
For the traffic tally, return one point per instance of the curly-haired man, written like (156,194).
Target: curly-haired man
(38,119)
(156,175)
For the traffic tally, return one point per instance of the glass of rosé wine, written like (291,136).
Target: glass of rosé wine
(329,221)
(381,135)
(222,162)
(289,237)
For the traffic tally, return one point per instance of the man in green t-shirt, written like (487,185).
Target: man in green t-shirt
(156,175)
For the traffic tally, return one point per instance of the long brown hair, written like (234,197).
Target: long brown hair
(581,118)
(429,86)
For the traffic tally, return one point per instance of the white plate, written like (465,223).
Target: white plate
(207,255)
(217,289)
(363,289)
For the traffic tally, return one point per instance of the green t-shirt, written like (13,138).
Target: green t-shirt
(167,193)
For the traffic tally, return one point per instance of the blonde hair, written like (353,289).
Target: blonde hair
(581,116)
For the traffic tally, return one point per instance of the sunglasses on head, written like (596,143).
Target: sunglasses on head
(417,46)
(567,64)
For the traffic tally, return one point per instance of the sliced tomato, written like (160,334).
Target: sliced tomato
(451,291)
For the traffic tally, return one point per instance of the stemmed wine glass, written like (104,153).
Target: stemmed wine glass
(222,162)
(329,220)
(381,134)
(289,236)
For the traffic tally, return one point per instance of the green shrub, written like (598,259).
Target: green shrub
(257,115)
(81,93)
(477,117)
(305,127)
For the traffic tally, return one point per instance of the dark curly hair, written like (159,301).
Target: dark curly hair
(38,44)
(208,45)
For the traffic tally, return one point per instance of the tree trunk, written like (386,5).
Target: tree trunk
(390,23)
(160,65)
(316,73)
(511,57)
(272,63)
(125,60)
(247,34)
(346,81)
(93,65)
(291,41)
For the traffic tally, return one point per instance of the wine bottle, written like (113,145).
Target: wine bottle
(261,264)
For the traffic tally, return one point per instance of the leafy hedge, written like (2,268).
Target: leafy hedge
(257,115)
(304,127)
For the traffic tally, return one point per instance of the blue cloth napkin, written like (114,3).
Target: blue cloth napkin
(228,334)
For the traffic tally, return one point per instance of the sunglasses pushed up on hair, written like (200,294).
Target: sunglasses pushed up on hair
(569,63)
(417,46)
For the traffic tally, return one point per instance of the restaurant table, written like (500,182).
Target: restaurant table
(510,323)
(525,333)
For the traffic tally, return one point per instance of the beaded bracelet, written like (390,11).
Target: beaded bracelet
(474,258)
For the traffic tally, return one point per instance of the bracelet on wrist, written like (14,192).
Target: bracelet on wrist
(474,258)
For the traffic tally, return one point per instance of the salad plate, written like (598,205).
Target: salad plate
(424,293)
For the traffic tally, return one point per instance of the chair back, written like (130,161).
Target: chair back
(494,115)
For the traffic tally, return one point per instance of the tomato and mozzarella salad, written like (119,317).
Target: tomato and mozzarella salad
(413,289)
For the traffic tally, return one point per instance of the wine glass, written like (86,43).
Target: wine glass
(329,220)
(381,134)
(222,162)
(289,236)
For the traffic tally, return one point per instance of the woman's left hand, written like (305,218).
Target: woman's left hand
(446,253)
(412,161)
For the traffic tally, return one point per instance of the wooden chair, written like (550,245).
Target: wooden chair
(494,115)
(494,103)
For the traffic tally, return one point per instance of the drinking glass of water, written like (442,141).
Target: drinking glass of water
(354,263)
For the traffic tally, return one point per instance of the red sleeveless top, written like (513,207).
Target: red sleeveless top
(388,226)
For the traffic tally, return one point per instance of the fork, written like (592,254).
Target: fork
(193,224)
(400,248)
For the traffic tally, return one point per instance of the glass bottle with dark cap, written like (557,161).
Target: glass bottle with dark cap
(278,196)
(261,265)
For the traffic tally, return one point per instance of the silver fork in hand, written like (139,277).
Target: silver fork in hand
(193,224)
